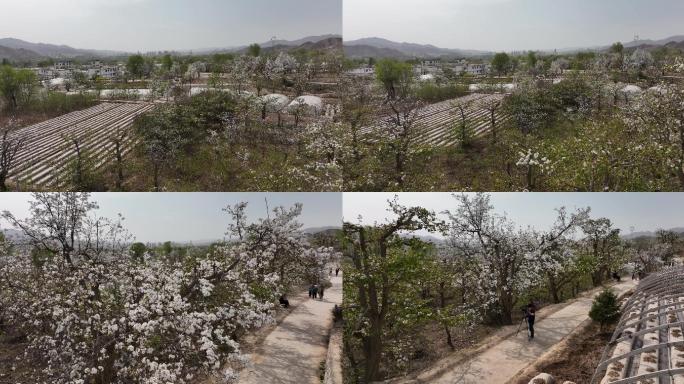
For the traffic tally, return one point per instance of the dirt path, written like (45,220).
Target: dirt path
(293,352)
(501,362)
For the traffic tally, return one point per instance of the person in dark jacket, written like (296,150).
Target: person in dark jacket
(530,312)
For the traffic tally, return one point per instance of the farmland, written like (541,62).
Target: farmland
(237,120)
(438,123)
(50,147)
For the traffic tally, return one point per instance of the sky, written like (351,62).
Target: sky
(509,25)
(198,217)
(631,212)
(152,25)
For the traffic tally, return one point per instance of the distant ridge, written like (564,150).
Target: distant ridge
(635,235)
(53,50)
(379,47)
(21,54)
(298,42)
(20,50)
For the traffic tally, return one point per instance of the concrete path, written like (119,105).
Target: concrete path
(501,362)
(293,352)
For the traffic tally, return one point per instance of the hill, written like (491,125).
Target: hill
(636,235)
(387,48)
(661,42)
(331,43)
(18,55)
(54,51)
(302,41)
(365,51)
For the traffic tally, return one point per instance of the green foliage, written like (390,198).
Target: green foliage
(167,62)
(531,108)
(395,76)
(40,256)
(136,66)
(501,63)
(605,308)
(138,251)
(582,60)
(617,48)
(81,173)
(17,86)
(167,248)
(59,103)
(433,93)
(531,59)
(254,50)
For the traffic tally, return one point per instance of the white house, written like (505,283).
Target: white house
(45,73)
(362,71)
(61,65)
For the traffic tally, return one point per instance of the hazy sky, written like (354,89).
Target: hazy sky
(513,24)
(147,25)
(183,217)
(640,211)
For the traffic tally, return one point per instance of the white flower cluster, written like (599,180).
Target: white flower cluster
(531,158)
(153,321)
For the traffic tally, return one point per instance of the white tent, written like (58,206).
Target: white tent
(631,88)
(313,104)
(275,102)
(57,82)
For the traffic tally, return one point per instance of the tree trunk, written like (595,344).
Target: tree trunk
(493,125)
(442,305)
(373,352)
(156,177)
(506,303)
(553,289)
(119,167)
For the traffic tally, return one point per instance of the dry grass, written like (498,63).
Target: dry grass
(576,360)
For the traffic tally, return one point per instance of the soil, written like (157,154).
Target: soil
(431,345)
(577,357)
(15,367)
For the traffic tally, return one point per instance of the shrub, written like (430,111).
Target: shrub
(605,308)
(433,93)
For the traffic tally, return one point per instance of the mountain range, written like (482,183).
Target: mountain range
(22,51)
(382,48)
(635,235)
(661,42)
(15,49)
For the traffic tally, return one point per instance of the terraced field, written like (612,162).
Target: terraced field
(48,150)
(439,123)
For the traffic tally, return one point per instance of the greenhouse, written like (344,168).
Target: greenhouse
(647,345)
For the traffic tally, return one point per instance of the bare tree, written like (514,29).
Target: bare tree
(492,105)
(10,145)
(358,104)
(118,139)
(463,111)
(398,132)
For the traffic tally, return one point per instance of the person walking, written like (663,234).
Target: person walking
(311,291)
(284,301)
(530,312)
(320,292)
(337,272)
(315,291)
